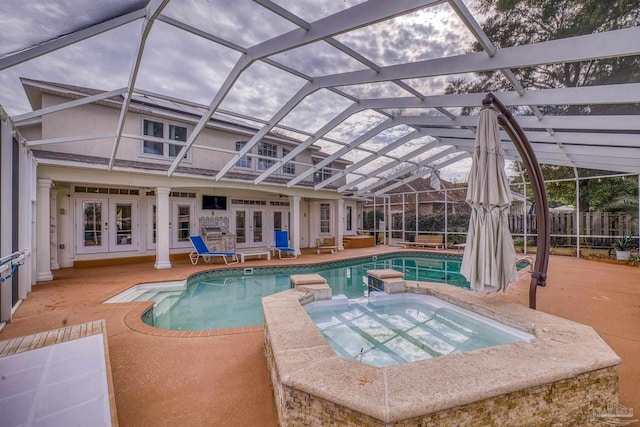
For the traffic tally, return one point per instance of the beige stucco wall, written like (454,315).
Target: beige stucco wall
(86,121)
(93,120)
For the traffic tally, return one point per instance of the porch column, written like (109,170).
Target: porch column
(340,224)
(294,208)
(43,231)
(25,211)
(53,208)
(162,228)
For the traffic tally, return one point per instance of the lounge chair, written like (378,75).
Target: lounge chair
(201,250)
(282,245)
(328,244)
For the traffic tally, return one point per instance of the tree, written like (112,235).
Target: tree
(611,194)
(368,221)
(517,22)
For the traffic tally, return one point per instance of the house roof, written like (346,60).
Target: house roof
(363,81)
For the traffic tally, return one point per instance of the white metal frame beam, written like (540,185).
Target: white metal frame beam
(389,165)
(154,8)
(346,113)
(18,120)
(615,43)
(361,15)
(387,124)
(432,168)
(386,167)
(400,173)
(363,162)
(69,39)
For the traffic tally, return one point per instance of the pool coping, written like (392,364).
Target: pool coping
(133,319)
(301,359)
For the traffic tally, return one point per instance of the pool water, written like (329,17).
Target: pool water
(392,329)
(222,299)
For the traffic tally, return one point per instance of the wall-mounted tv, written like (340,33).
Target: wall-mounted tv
(218,203)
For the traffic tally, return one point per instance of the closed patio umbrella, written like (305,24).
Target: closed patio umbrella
(489,261)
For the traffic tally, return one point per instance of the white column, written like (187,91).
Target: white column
(53,218)
(294,208)
(24,227)
(7,214)
(340,224)
(162,228)
(43,231)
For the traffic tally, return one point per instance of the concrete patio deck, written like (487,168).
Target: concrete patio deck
(223,379)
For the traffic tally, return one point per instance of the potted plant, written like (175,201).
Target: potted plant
(623,247)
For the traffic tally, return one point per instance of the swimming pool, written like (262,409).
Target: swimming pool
(390,329)
(231,298)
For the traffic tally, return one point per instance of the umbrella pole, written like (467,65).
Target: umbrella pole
(515,132)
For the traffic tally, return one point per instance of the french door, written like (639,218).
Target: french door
(181,223)
(280,222)
(106,224)
(250,227)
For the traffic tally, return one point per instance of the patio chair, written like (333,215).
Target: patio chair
(328,244)
(201,250)
(282,245)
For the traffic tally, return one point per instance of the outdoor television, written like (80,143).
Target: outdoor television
(218,203)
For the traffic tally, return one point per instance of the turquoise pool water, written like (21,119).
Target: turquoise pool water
(232,298)
(391,329)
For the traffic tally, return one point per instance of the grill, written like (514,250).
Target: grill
(211,232)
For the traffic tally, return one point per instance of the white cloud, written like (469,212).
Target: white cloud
(186,66)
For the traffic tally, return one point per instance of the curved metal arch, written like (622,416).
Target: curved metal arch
(513,129)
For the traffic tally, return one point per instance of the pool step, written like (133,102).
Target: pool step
(129,296)
(145,295)
(165,302)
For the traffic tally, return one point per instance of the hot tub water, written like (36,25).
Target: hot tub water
(391,329)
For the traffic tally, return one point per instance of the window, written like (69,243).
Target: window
(162,130)
(268,150)
(348,219)
(288,168)
(266,154)
(325,218)
(184,223)
(321,174)
(156,129)
(176,133)
(245,161)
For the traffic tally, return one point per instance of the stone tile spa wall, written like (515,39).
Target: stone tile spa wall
(566,376)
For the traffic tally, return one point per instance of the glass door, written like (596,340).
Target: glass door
(90,226)
(122,219)
(106,225)
(182,223)
(257,228)
(280,222)
(241,228)
(249,227)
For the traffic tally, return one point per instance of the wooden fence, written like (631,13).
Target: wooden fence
(597,228)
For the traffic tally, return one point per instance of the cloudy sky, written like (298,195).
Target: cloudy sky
(185,66)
